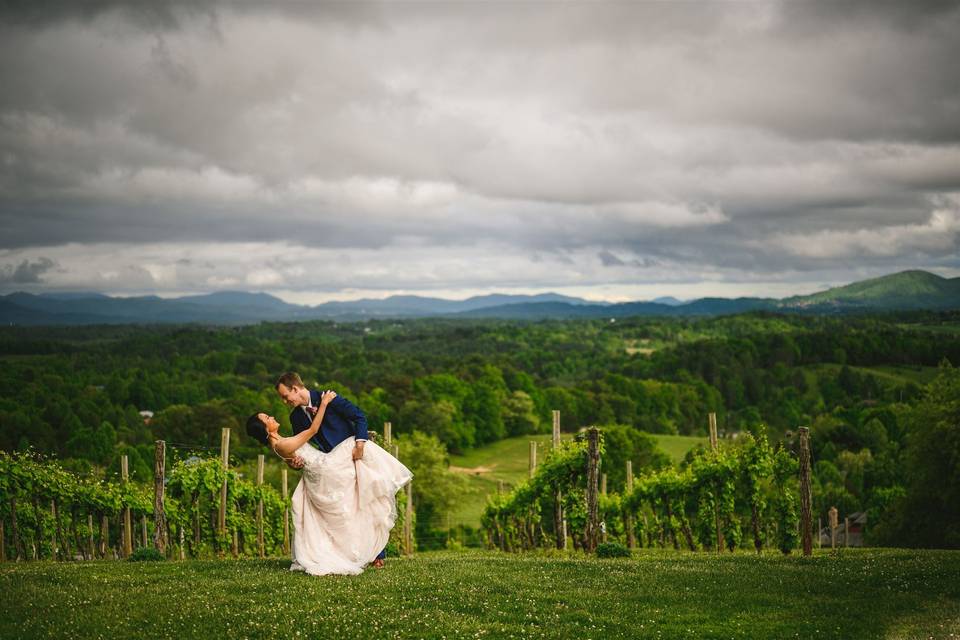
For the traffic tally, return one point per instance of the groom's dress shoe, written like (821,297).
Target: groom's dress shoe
(377,564)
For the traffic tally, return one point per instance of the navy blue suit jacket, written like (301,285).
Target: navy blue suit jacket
(341,420)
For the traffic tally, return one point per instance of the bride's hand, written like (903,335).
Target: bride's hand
(327,397)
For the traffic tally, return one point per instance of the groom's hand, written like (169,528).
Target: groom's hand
(357,451)
(295,463)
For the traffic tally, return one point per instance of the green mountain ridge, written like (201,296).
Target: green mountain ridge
(906,289)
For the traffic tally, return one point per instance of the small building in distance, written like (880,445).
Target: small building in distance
(858,522)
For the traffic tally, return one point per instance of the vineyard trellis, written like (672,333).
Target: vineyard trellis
(55,514)
(706,505)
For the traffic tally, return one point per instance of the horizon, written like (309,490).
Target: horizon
(605,150)
(294,298)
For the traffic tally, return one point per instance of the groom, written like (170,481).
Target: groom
(341,420)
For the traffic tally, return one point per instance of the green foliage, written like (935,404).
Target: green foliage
(927,514)
(148,554)
(856,380)
(514,521)
(612,550)
(436,489)
(626,443)
(787,521)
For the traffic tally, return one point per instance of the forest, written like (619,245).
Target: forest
(878,392)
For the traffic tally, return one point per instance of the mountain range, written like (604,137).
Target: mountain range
(904,290)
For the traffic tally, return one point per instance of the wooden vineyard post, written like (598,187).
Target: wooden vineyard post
(286,513)
(408,522)
(127,543)
(714,445)
(500,487)
(225,460)
(806,493)
(260,545)
(593,469)
(846,532)
(559,524)
(54,546)
(182,542)
(159,516)
(104,536)
(628,518)
(408,514)
(143,530)
(396,451)
(819,532)
(603,484)
(533,457)
(387,435)
(91,550)
(832,515)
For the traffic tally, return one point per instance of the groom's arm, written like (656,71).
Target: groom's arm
(351,412)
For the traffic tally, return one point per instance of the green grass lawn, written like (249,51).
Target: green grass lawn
(656,594)
(508,460)
(678,446)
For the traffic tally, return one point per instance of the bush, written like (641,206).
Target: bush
(612,550)
(145,553)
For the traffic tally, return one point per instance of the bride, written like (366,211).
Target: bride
(343,510)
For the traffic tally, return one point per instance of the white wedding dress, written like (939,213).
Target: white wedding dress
(343,511)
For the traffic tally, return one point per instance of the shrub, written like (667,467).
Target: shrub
(612,550)
(145,553)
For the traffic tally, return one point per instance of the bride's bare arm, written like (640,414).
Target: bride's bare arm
(286,446)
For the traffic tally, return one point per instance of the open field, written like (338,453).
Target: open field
(508,460)
(656,594)
(678,446)
(886,373)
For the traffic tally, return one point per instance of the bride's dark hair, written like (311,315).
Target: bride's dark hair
(256,429)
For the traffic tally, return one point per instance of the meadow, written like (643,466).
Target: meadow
(654,594)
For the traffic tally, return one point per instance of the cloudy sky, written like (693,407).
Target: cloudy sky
(615,151)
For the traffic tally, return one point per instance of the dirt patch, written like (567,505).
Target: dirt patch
(473,471)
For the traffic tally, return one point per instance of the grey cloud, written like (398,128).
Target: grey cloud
(26,272)
(814,16)
(311,124)
(164,15)
(610,260)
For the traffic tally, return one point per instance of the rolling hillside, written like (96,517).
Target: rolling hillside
(904,290)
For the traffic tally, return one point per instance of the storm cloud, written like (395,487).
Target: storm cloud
(359,148)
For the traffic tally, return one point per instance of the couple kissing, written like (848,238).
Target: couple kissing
(344,505)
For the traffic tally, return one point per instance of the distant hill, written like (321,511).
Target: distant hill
(412,306)
(906,290)
(670,300)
